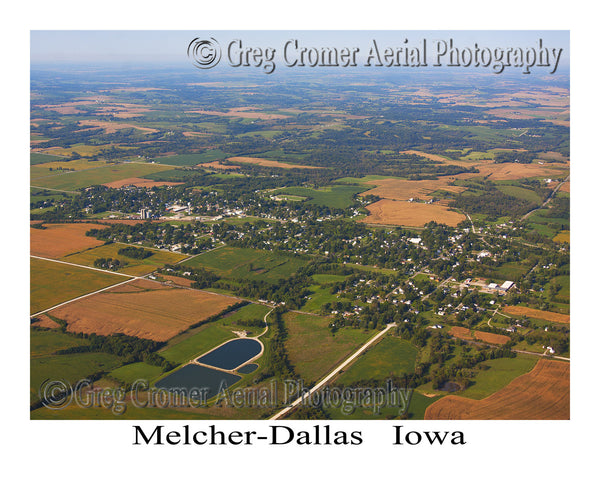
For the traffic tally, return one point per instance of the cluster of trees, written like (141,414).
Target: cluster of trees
(109,263)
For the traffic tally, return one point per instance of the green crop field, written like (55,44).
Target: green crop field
(37,158)
(520,192)
(500,373)
(53,283)
(136,371)
(97,176)
(44,342)
(337,196)
(248,263)
(134,266)
(313,350)
(68,368)
(190,345)
(390,357)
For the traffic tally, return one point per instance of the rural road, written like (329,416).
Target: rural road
(334,372)
(550,197)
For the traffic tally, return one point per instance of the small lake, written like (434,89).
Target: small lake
(232,354)
(196,376)
(248,368)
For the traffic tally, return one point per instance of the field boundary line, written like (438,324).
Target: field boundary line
(83,296)
(84,266)
(334,372)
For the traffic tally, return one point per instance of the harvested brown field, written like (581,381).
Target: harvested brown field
(139,182)
(266,163)
(491,337)
(435,158)
(242,113)
(400,189)
(542,394)
(515,171)
(539,314)
(112,127)
(566,187)
(391,212)
(218,165)
(58,240)
(157,314)
(461,332)
(466,334)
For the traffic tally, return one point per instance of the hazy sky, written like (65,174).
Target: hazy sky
(170,46)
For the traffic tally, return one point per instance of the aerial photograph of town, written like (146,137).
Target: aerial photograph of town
(324,226)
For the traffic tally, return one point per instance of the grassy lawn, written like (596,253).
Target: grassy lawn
(337,196)
(520,192)
(500,373)
(68,368)
(313,350)
(45,342)
(390,357)
(318,296)
(136,371)
(53,283)
(134,266)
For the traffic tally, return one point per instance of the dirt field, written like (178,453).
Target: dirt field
(139,182)
(182,281)
(542,394)
(461,332)
(58,240)
(112,127)
(540,314)
(391,212)
(566,187)
(218,165)
(266,163)
(466,334)
(158,313)
(491,337)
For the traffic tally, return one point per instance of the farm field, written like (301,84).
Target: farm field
(139,182)
(242,263)
(400,189)
(191,159)
(56,240)
(466,334)
(391,212)
(500,373)
(38,158)
(45,342)
(70,368)
(267,163)
(135,371)
(540,314)
(542,393)
(134,267)
(97,176)
(313,350)
(151,311)
(390,357)
(53,283)
(337,196)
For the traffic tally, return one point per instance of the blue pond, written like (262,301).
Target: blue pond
(195,376)
(248,368)
(232,354)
